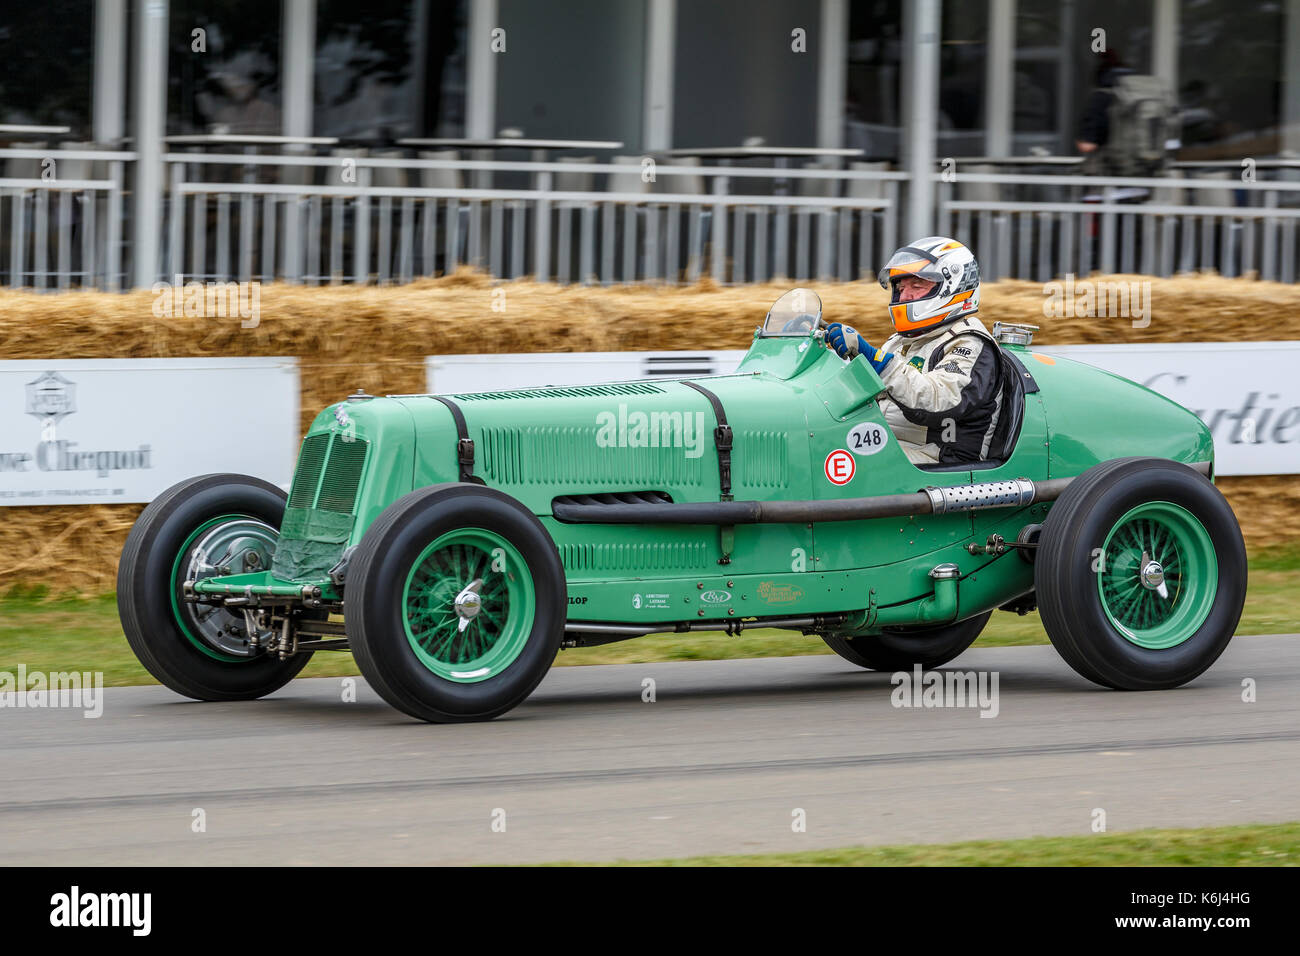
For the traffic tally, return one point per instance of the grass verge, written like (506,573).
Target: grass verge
(1276,844)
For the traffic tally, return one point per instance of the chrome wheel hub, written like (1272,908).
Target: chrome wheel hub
(1152,575)
(468,603)
(241,546)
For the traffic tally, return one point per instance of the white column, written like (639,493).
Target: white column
(999,78)
(297,80)
(150,127)
(297,66)
(921,28)
(481,70)
(661,42)
(1164,43)
(832,55)
(109,93)
(1291,79)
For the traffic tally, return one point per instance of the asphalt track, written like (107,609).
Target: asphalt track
(587,770)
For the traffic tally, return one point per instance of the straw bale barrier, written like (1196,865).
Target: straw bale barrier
(349,337)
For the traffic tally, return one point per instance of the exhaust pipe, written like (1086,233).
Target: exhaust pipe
(1016,492)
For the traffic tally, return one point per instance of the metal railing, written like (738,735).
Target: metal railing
(1156,226)
(62,231)
(360,219)
(318,219)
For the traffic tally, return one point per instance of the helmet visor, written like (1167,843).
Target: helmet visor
(910,261)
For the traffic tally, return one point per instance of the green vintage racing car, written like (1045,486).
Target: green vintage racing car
(455,543)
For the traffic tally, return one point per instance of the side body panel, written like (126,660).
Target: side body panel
(797,415)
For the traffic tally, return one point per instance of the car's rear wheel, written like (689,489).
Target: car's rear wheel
(1140,574)
(213,524)
(456,603)
(903,648)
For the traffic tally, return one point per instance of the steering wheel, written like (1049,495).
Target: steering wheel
(804,323)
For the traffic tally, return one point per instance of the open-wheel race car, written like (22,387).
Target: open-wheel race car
(454,543)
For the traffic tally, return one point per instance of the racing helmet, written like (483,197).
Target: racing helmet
(956,277)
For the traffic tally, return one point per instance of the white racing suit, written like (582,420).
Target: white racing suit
(945,393)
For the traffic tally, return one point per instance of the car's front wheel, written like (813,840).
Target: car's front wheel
(456,603)
(201,527)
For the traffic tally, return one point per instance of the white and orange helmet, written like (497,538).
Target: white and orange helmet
(956,277)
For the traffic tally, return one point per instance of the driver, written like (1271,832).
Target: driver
(941,368)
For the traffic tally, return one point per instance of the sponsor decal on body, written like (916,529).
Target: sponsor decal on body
(774,593)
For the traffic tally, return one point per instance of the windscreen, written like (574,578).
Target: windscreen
(798,312)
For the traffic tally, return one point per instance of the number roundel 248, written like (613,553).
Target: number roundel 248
(867,438)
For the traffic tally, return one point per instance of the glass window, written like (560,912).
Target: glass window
(873,77)
(225,79)
(390,68)
(1229,77)
(737,75)
(573,69)
(964,39)
(47,50)
(1039,77)
(1057,68)
(873,107)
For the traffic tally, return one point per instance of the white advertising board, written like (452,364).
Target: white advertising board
(108,431)
(1248,393)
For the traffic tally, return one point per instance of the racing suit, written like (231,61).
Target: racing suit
(945,393)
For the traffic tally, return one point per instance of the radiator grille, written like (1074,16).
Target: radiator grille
(338,491)
(307,475)
(318,523)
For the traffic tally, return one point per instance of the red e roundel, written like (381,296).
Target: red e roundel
(840,467)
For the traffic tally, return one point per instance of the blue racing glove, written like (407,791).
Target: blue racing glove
(844,339)
(847,343)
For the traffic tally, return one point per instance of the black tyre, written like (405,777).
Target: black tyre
(456,603)
(198,650)
(1140,574)
(902,649)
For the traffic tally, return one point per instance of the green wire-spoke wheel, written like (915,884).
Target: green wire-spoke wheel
(1158,575)
(469,605)
(455,603)
(1140,574)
